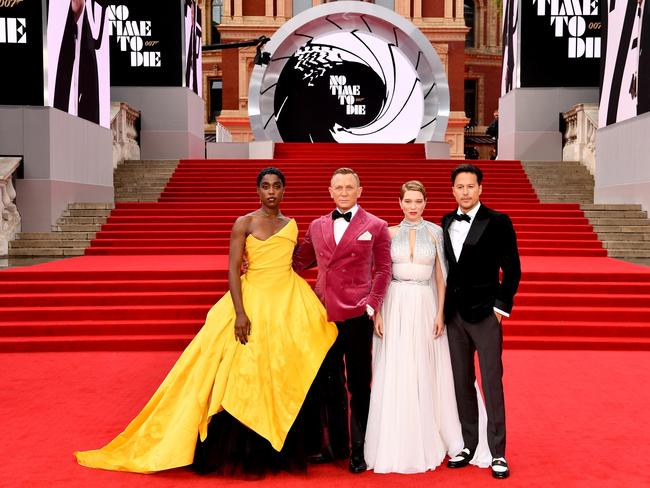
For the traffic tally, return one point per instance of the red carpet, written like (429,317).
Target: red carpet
(154,269)
(573,417)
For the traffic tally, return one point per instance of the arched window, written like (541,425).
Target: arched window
(469,22)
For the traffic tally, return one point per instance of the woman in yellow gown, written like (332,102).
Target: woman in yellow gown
(240,384)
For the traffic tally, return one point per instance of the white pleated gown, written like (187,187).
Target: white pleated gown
(413,419)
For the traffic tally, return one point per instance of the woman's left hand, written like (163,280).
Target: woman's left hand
(438,327)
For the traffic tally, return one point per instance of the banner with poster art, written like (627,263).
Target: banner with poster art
(21,52)
(625,73)
(551,43)
(78,59)
(156,43)
(192,59)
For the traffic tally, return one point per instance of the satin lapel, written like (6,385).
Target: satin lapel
(449,249)
(352,232)
(476,230)
(327,229)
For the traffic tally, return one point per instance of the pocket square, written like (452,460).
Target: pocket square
(366,236)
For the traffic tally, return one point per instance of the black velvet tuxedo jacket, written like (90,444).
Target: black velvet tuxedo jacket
(473,286)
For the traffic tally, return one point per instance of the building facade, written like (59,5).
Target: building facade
(466,34)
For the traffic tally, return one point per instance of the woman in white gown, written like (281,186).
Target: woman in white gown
(413,420)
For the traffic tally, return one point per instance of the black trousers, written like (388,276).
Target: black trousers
(485,338)
(348,363)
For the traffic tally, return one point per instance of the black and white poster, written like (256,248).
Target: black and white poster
(625,75)
(146,42)
(363,89)
(193,60)
(78,58)
(559,43)
(510,43)
(21,52)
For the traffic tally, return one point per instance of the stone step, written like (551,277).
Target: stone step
(136,187)
(76,227)
(81,220)
(40,236)
(628,253)
(560,181)
(19,261)
(570,185)
(565,199)
(610,206)
(621,227)
(88,206)
(636,260)
(86,212)
(142,175)
(632,244)
(604,221)
(140,198)
(546,164)
(558,193)
(623,236)
(47,252)
(49,243)
(146,166)
(150,161)
(623,214)
(552,173)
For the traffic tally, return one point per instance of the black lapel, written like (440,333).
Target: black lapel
(449,249)
(477,228)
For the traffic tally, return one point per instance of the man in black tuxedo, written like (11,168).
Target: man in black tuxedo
(479,242)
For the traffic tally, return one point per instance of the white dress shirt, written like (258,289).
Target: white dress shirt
(458,231)
(340,226)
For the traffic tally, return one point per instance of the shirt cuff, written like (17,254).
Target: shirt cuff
(501,312)
(370,311)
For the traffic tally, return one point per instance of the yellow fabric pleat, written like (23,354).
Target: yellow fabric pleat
(262,384)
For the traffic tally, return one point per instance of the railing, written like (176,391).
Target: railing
(125,126)
(222,134)
(9,216)
(580,135)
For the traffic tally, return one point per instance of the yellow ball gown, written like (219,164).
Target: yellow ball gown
(262,384)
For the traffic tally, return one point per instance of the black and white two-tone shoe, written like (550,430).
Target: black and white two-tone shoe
(461,460)
(500,469)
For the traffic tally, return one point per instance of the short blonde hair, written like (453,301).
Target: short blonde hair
(412,185)
(346,171)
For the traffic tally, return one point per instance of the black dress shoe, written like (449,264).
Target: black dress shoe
(358,464)
(461,460)
(320,458)
(500,473)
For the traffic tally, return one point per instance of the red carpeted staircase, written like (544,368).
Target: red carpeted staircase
(154,269)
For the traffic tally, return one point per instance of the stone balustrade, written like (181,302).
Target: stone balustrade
(222,134)
(9,216)
(125,127)
(581,124)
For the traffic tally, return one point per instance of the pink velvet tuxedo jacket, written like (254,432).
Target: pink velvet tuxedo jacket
(352,274)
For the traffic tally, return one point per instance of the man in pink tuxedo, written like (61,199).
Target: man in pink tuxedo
(351,248)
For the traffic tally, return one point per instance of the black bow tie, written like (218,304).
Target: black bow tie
(461,216)
(336,215)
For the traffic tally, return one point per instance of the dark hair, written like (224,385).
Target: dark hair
(467,168)
(270,170)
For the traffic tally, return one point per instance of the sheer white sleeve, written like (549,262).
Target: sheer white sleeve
(437,236)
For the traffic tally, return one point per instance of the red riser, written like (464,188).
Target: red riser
(161,310)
